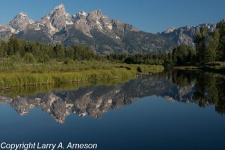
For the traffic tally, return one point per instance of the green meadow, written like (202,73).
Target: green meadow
(24,74)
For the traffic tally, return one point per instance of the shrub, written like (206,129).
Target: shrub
(139,69)
(29,58)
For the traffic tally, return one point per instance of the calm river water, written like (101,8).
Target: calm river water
(170,111)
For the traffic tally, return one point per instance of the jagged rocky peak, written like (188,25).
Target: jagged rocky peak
(60,7)
(211,27)
(21,15)
(82,13)
(53,22)
(184,35)
(121,28)
(59,18)
(20,22)
(58,11)
(170,30)
(95,15)
(93,21)
(97,12)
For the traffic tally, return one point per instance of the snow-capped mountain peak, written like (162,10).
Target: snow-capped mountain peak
(58,10)
(96,13)
(20,22)
(23,14)
(170,30)
(82,13)
(56,20)
(59,7)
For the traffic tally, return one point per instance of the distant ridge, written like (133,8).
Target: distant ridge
(184,35)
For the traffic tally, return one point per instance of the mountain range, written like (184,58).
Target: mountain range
(184,35)
(103,34)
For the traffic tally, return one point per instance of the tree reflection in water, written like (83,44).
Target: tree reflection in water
(209,88)
(95,100)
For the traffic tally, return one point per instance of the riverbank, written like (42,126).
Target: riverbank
(216,67)
(45,74)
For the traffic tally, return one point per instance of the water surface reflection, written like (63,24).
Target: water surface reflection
(191,86)
(162,113)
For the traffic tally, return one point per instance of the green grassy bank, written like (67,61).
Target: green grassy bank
(45,74)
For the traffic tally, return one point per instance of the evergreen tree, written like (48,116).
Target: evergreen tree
(200,40)
(191,55)
(174,55)
(3,48)
(59,52)
(69,53)
(13,45)
(183,55)
(211,50)
(221,47)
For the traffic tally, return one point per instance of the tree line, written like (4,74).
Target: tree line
(151,58)
(209,47)
(17,49)
(31,52)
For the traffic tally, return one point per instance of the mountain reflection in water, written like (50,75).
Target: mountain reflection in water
(193,86)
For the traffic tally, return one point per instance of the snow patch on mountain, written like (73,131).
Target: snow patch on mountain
(170,30)
(82,13)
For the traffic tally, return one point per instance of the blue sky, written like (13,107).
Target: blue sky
(147,15)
